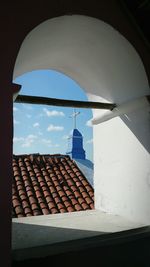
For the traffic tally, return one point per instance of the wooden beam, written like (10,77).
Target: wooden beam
(62,102)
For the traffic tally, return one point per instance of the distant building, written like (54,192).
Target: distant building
(75,148)
(77,151)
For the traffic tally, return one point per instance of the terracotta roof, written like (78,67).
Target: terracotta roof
(49,184)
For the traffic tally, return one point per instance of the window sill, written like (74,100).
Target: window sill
(44,235)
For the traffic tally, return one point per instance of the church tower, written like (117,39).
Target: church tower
(76,141)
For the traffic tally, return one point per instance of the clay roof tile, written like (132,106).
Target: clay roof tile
(16,203)
(43,205)
(91,194)
(73,188)
(54,194)
(68,193)
(74,201)
(17,173)
(70,182)
(19,210)
(85,194)
(78,207)
(67,204)
(25,204)
(70,209)
(85,206)
(57,200)
(46,193)
(34,206)
(88,188)
(81,200)
(21,192)
(45,184)
(49,199)
(32,200)
(78,183)
(84,182)
(88,200)
(61,193)
(23,197)
(54,211)
(27,210)
(92,205)
(20,187)
(37,212)
(60,206)
(58,188)
(27,182)
(45,211)
(51,205)
(62,210)
(77,194)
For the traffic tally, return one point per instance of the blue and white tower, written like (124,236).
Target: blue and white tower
(76,140)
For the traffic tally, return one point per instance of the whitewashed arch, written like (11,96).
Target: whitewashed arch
(109,69)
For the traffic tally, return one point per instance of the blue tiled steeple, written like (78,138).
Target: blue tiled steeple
(76,140)
(77,151)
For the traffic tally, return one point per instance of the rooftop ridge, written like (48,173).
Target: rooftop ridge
(38,154)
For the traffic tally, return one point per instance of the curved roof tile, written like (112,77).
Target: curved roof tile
(48,184)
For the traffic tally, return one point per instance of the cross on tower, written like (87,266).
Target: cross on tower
(74,115)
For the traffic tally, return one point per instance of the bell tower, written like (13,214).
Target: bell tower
(76,140)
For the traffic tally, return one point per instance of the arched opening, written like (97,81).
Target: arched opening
(56,85)
(108,68)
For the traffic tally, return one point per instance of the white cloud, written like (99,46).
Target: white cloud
(18,139)
(15,109)
(16,122)
(46,141)
(90,141)
(53,112)
(36,124)
(65,137)
(27,143)
(52,127)
(31,136)
(29,140)
(89,123)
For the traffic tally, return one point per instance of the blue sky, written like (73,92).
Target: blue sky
(45,129)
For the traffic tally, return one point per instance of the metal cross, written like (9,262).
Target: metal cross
(74,115)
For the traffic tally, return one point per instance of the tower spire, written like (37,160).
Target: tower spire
(74,116)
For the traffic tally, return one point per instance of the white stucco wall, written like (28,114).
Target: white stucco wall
(122,171)
(108,68)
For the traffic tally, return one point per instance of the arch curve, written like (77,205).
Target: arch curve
(88,50)
(109,69)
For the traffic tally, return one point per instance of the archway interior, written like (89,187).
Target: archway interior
(93,54)
(109,69)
